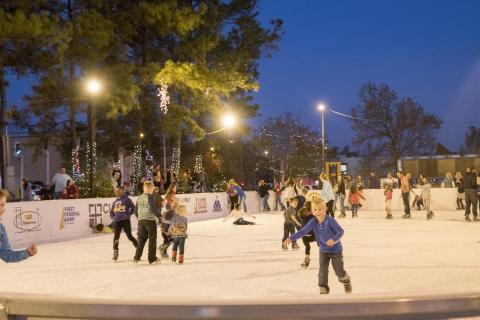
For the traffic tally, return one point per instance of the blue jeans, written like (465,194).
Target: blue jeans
(179,243)
(265,202)
(243,202)
(278,201)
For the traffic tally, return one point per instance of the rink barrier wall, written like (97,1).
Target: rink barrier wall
(442,199)
(60,220)
(16,306)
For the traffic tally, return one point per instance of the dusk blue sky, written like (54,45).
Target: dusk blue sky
(425,49)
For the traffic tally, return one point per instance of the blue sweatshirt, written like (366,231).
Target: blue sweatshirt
(328,229)
(6,252)
(239,191)
(122,208)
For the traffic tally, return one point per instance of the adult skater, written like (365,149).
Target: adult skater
(471,199)
(6,252)
(238,216)
(327,234)
(405,189)
(147,213)
(327,194)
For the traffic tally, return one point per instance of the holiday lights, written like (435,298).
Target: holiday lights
(164,97)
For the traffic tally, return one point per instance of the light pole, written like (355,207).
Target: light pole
(321,108)
(93,88)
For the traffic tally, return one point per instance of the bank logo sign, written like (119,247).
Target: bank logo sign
(68,216)
(27,220)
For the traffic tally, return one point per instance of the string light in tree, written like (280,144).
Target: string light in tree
(176,160)
(198,163)
(164,97)
(76,173)
(148,166)
(91,155)
(137,163)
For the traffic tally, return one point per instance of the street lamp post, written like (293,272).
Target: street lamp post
(321,108)
(93,88)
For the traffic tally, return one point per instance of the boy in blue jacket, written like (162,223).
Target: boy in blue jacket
(327,233)
(121,211)
(6,252)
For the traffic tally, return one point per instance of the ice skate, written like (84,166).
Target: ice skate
(180,259)
(430,215)
(115,255)
(467,219)
(406,216)
(389,217)
(284,247)
(305,263)
(346,283)
(324,290)
(155,261)
(295,246)
(342,215)
(174,256)
(163,251)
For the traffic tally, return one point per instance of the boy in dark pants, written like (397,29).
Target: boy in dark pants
(122,210)
(147,213)
(289,224)
(327,233)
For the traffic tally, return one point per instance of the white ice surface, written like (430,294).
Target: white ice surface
(223,260)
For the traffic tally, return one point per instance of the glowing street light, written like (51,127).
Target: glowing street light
(142,135)
(265,152)
(229,120)
(93,86)
(321,107)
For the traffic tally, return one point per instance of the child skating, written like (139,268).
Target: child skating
(165,225)
(354,199)
(121,211)
(327,234)
(306,215)
(289,224)
(388,201)
(178,232)
(238,216)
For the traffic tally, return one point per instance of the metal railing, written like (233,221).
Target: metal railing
(20,306)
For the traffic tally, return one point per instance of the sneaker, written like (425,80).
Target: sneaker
(115,255)
(324,290)
(305,263)
(155,261)
(406,216)
(467,218)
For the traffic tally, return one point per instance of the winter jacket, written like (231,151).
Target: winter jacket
(6,252)
(178,227)
(289,212)
(328,229)
(239,191)
(289,193)
(470,180)
(122,208)
(146,208)
(327,191)
(167,220)
(354,198)
(263,191)
(341,188)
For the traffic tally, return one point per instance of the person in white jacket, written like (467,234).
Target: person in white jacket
(327,194)
(238,216)
(289,191)
(426,196)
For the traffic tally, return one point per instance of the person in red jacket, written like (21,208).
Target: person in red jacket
(354,199)
(72,190)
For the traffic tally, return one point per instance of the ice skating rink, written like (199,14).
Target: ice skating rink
(223,260)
